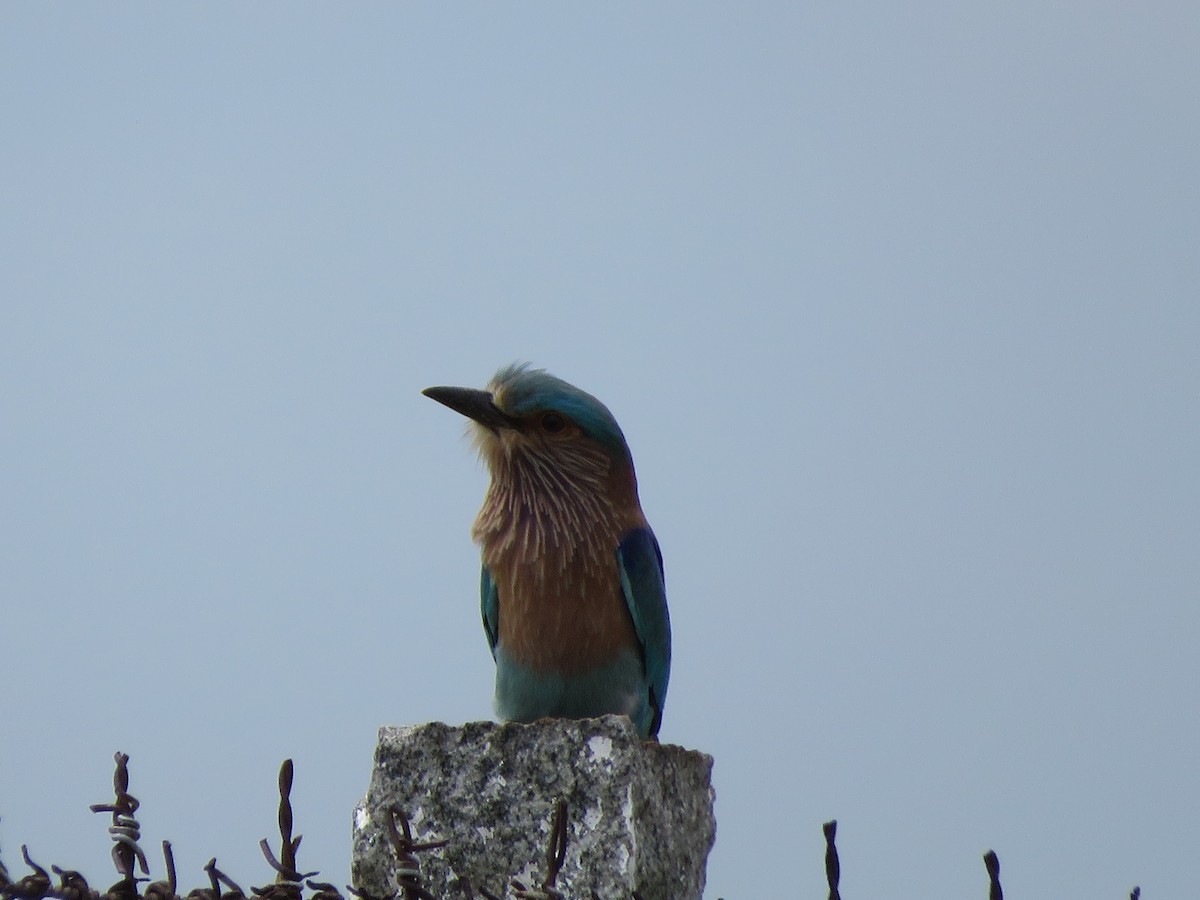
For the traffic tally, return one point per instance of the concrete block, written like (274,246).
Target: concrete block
(639,814)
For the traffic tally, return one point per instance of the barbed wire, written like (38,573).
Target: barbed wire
(556,854)
(833,867)
(290,883)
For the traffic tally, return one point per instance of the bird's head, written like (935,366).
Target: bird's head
(528,411)
(526,415)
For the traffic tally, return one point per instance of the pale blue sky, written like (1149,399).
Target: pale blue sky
(897,304)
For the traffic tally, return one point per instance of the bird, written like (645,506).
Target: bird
(572,590)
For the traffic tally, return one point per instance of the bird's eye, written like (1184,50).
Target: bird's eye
(553,423)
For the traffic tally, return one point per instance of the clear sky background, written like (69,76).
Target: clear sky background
(898,305)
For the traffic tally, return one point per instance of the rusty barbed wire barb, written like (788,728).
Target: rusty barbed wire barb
(217,878)
(209,893)
(286,879)
(833,866)
(164,890)
(323,890)
(34,886)
(72,885)
(556,854)
(289,881)
(992,861)
(408,867)
(556,850)
(124,830)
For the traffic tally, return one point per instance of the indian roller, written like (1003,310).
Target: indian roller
(572,592)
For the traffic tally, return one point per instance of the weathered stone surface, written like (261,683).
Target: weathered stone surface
(640,815)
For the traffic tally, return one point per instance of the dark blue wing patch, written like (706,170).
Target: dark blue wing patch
(644,587)
(489,606)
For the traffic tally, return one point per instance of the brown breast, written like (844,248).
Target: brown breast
(562,619)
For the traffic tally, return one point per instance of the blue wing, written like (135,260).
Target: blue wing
(489,605)
(645,591)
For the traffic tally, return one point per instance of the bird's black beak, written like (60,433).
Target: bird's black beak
(473,404)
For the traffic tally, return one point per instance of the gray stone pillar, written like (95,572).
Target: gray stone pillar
(639,815)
